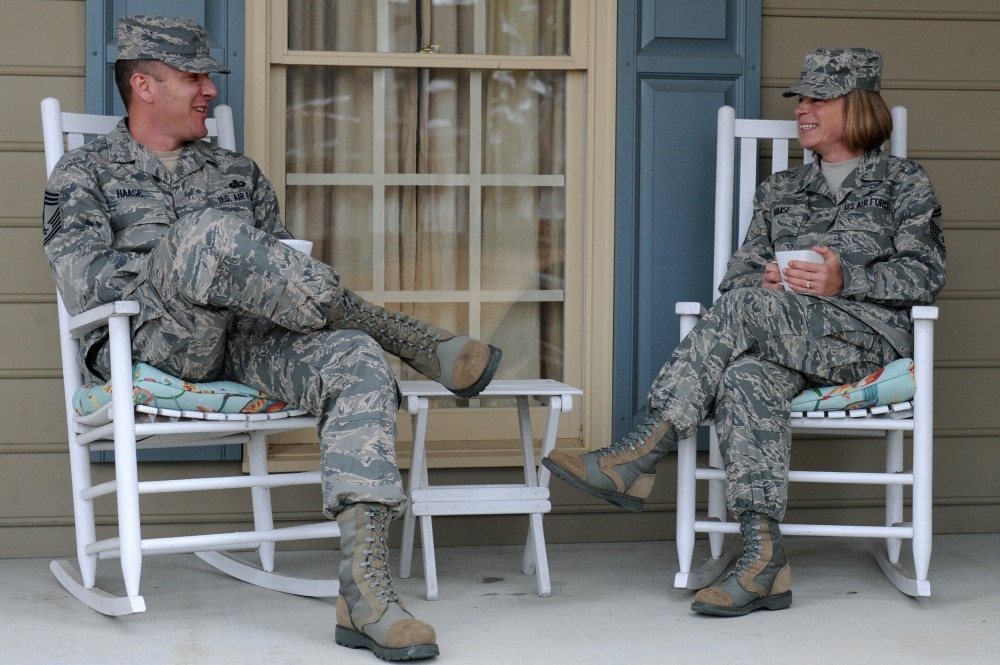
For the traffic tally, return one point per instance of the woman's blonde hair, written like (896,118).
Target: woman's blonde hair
(867,120)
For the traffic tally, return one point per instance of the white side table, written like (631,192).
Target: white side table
(530,498)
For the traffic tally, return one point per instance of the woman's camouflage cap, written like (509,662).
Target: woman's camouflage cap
(833,72)
(178,42)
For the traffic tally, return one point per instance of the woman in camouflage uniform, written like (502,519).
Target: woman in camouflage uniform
(875,220)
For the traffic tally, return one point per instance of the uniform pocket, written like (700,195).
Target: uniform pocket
(140,225)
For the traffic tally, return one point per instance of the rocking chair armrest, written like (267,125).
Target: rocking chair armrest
(690,309)
(689,313)
(99,316)
(923,317)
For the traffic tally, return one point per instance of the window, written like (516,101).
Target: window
(435,152)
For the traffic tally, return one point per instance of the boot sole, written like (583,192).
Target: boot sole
(621,500)
(779,601)
(352,639)
(492,363)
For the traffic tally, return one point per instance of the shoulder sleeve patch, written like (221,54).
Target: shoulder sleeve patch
(51,217)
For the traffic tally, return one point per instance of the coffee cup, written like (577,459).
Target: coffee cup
(784,257)
(304,246)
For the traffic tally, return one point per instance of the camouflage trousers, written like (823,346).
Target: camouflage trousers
(222,299)
(743,363)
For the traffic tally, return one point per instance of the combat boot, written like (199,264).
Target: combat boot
(622,473)
(369,613)
(761,579)
(461,364)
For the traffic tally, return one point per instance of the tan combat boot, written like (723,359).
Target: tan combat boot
(622,473)
(369,613)
(761,579)
(463,365)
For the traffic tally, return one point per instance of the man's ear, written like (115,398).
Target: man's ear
(141,86)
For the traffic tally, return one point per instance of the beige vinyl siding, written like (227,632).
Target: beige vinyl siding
(41,53)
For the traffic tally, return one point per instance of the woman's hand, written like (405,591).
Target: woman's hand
(815,279)
(772,277)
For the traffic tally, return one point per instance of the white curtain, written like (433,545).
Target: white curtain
(428,116)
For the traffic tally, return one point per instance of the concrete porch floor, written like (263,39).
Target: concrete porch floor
(611,603)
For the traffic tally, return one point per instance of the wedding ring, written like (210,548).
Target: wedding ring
(809,285)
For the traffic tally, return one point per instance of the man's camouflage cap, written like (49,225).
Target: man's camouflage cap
(833,72)
(178,42)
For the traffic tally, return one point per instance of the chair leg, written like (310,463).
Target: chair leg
(263,513)
(686,462)
(126,467)
(418,478)
(83,513)
(707,573)
(922,503)
(893,493)
(915,584)
(716,496)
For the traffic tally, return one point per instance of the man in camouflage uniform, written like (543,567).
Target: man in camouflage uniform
(875,221)
(151,213)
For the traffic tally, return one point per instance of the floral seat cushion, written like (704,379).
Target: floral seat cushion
(892,384)
(158,389)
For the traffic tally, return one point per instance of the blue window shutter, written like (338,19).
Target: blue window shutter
(678,62)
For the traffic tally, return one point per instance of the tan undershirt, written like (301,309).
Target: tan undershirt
(169,159)
(835,173)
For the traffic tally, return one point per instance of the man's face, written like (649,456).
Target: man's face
(180,104)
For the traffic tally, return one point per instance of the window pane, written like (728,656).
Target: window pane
(338,221)
(531,336)
(427,121)
(524,119)
(329,128)
(488,27)
(427,238)
(523,238)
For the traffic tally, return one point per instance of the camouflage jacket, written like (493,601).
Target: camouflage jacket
(884,225)
(108,202)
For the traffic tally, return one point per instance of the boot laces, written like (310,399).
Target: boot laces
(409,333)
(752,547)
(637,437)
(376,563)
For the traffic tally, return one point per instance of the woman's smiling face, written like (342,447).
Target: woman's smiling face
(821,128)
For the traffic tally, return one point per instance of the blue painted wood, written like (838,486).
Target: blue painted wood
(678,62)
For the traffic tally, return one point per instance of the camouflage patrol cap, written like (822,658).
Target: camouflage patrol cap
(178,42)
(833,72)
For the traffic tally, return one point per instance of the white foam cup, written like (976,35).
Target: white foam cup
(304,246)
(795,255)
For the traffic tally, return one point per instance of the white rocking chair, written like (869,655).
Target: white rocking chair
(891,422)
(124,427)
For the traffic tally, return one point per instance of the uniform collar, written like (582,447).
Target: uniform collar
(872,167)
(124,149)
